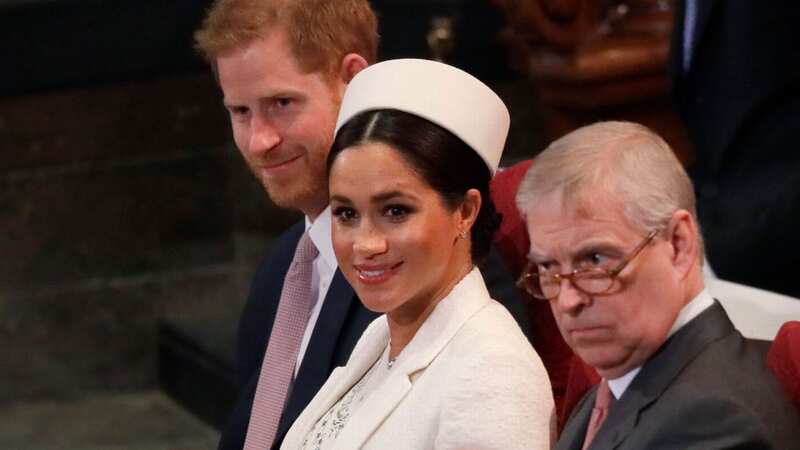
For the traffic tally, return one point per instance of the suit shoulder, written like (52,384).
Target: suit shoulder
(730,382)
(702,419)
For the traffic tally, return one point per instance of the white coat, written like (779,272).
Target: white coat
(468,379)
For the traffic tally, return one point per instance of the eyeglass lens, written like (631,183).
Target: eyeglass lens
(589,281)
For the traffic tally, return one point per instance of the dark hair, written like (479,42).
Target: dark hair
(445,162)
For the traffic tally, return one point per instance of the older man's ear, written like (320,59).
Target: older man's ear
(683,239)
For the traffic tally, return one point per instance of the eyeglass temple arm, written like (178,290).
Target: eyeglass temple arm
(616,270)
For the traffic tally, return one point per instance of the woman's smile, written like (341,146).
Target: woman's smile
(372,274)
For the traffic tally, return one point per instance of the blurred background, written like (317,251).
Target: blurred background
(130,227)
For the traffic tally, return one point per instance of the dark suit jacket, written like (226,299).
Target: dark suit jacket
(706,388)
(341,322)
(740,101)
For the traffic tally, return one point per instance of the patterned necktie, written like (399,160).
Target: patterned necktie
(277,369)
(602,403)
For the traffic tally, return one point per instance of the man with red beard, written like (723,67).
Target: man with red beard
(283,66)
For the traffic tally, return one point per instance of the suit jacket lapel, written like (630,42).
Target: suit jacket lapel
(258,315)
(314,371)
(704,8)
(574,432)
(658,373)
(675,65)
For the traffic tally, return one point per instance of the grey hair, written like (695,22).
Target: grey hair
(625,160)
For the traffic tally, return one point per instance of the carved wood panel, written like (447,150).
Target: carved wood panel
(596,60)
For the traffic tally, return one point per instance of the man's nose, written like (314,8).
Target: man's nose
(264,136)
(570,299)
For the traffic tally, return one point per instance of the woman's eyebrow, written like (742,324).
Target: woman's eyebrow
(390,195)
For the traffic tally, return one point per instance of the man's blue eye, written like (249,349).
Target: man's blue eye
(597,259)
(544,266)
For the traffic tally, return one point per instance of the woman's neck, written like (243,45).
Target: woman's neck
(405,321)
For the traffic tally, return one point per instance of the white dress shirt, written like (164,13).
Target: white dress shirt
(703,301)
(324,268)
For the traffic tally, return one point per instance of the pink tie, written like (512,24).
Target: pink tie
(602,402)
(284,343)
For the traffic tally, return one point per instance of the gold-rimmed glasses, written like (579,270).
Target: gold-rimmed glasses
(596,280)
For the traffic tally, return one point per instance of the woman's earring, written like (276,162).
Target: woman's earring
(462,235)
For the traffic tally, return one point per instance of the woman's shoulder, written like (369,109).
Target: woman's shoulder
(495,321)
(497,391)
(493,334)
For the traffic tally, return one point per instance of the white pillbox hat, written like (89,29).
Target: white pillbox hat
(437,92)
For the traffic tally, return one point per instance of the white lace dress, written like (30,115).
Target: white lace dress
(328,427)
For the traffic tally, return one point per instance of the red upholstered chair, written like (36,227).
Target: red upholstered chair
(784,359)
(511,240)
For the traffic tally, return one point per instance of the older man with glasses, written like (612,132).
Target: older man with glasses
(617,252)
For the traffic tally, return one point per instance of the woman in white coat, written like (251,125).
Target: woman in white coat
(445,366)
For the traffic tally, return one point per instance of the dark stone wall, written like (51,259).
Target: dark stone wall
(119,205)
(114,210)
(57,44)
(121,199)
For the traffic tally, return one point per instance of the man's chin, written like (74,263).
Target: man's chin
(288,198)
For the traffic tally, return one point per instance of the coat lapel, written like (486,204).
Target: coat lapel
(467,298)
(675,65)
(374,411)
(704,8)
(574,432)
(314,371)
(338,302)
(342,379)
(658,373)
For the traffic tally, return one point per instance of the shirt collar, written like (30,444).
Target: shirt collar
(320,233)
(691,310)
(619,385)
